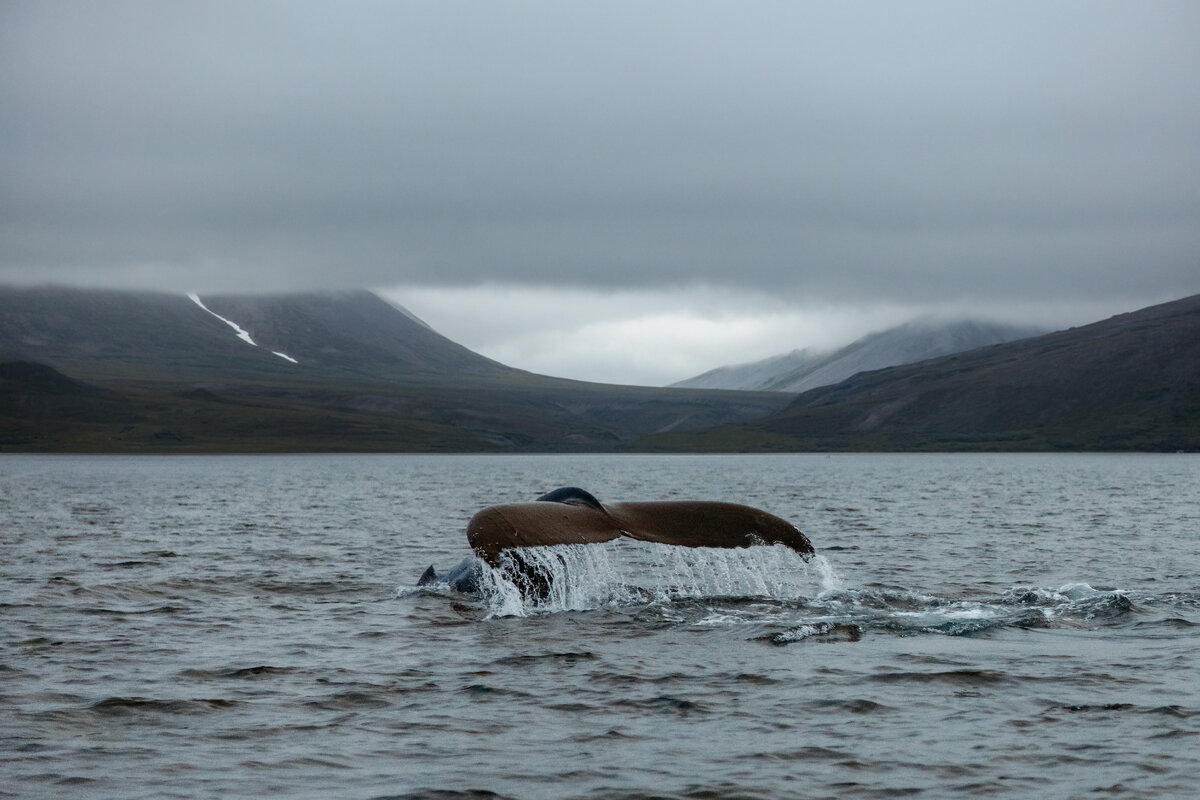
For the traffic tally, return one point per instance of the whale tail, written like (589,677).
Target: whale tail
(573,516)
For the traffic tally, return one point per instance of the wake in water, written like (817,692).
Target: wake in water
(910,613)
(769,586)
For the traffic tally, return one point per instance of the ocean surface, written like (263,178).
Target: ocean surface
(972,625)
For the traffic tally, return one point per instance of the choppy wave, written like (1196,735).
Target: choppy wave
(1004,626)
(909,613)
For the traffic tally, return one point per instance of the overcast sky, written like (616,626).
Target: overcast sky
(624,191)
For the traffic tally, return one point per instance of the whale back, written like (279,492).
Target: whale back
(571,495)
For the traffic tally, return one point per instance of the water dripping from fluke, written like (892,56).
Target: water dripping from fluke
(539,580)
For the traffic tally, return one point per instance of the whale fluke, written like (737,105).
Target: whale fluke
(537,524)
(706,524)
(573,516)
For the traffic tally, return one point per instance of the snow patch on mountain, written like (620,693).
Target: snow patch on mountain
(242,333)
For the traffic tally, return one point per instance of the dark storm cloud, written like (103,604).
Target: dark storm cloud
(849,150)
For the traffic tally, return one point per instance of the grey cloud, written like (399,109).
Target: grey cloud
(855,150)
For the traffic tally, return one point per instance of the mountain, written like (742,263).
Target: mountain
(1131,382)
(802,370)
(754,375)
(106,334)
(148,372)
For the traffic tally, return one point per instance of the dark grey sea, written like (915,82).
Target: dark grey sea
(973,625)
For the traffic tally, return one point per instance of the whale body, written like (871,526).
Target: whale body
(462,577)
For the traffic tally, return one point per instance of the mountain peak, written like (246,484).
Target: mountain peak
(86,331)
(339,371)
(918,339)
(1131,382)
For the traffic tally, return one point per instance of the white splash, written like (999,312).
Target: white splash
(242,333)
(830,582)
(623,572)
